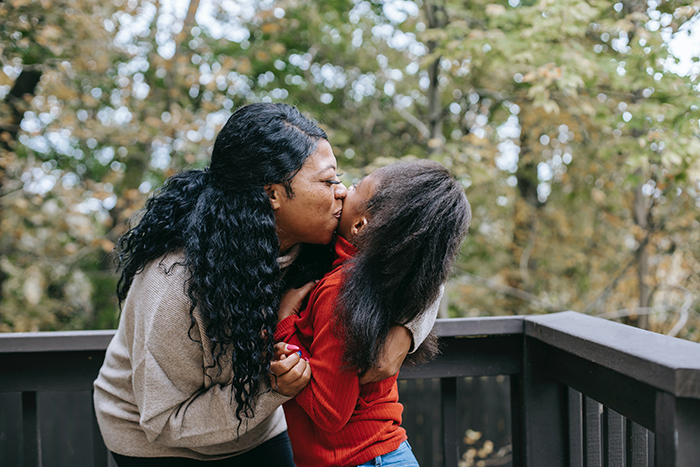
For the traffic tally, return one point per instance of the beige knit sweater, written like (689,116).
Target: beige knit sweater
(152,398)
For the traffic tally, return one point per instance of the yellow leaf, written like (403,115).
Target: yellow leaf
(495,9)
(244,67)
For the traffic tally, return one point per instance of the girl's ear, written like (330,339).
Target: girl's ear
(358,225)
(274,192)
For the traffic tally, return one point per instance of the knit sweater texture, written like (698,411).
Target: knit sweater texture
(152,398)
(335,421)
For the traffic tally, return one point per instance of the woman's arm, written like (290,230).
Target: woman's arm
(178,405)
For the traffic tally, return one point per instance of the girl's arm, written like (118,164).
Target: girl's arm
(331,396)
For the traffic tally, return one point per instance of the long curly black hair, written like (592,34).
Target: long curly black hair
(418,217)
(222,219)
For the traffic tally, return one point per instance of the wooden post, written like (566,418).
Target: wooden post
(543,431)
(677,431)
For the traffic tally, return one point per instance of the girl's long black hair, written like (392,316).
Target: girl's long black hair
(222,220)
(418,217)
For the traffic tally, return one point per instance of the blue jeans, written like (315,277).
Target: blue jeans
(402,457)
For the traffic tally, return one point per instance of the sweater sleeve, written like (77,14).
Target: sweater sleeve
(178,405)
(421,326)
(331,396)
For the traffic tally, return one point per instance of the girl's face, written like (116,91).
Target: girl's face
(354,214)
(311,215)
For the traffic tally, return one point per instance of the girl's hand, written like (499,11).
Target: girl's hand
(292,300)
(289,373)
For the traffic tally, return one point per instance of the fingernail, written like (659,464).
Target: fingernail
(292,347)
(306,359)
(299,352)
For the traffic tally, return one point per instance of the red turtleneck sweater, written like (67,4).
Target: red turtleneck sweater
(334,421)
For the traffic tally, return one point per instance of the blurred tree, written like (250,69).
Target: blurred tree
(575,140)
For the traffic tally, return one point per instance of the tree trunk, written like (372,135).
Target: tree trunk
(436,19)
(526,213)
(641,218)
(26,83)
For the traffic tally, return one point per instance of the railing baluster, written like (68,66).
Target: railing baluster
(637,445)
(31,434)
(614,438)
(592,428)
(677,431)
(575,428)
(450,426)
(99,450)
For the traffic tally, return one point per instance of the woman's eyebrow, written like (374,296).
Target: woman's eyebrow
(329,167)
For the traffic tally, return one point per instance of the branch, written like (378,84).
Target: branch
(505,290)
(608,290)
(527,252)
(410,118)
(683,311)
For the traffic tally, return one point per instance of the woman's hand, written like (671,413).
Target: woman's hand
(292,300)
(289,372)
(398,343)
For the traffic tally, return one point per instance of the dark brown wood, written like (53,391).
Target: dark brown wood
(669,364)
(576,439)
(500,355)
(543,429)
(49,371)
(592,428)
(99,450)
(621,393)
(486,326)
(31,435)
(614,438)
(450,427)
(677,431)
(516,420)
(637,445)
(553,362)
(65,341)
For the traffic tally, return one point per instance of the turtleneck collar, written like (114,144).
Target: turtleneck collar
(344,250)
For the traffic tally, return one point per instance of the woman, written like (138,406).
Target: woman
(186,377)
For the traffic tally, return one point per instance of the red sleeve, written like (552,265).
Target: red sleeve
(331,396)
(286,328)
(286,332)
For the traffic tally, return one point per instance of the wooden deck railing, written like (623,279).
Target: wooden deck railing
(583,391)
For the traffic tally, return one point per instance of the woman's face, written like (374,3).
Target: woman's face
(311,215)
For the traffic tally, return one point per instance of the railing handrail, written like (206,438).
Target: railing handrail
(57,341)
(666,363)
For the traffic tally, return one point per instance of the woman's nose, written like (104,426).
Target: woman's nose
(340,191)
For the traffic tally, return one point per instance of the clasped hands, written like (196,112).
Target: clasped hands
(289,373)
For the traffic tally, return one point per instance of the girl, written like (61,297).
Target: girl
(398,236)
